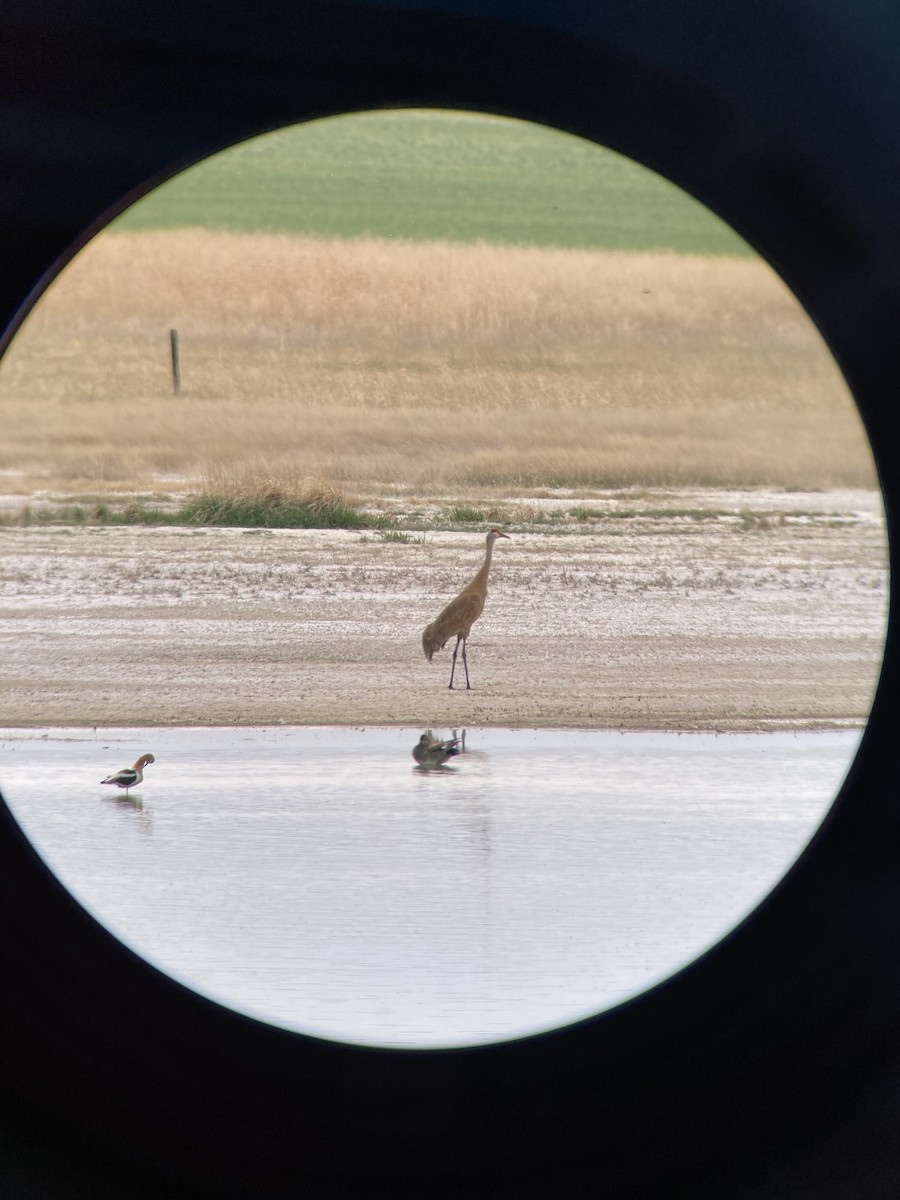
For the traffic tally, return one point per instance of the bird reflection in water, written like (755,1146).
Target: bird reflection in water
(134,805)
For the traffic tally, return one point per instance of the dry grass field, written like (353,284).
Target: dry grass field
(400,367)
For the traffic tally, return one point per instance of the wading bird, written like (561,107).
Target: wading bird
(461,613)
(430,751)
(130,777)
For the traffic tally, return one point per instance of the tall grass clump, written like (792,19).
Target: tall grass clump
(271,503)
(462,514)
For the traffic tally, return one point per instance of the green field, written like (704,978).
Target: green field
(425,176)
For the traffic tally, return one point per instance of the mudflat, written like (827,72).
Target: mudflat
(681,610)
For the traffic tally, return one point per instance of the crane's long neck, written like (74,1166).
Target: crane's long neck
(480,580)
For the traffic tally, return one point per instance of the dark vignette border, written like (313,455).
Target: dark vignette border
(772,1065)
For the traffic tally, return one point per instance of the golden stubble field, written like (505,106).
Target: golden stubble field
(387,366)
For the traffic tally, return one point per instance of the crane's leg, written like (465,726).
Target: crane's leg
(453,663)
(466,665)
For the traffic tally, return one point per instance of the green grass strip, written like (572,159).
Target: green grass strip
(424,176)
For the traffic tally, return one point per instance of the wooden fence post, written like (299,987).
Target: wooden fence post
(176,365)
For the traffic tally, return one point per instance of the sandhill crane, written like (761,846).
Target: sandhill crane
(130,777)
(430,751)
(462,612)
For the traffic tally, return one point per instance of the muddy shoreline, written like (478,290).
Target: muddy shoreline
(654,621)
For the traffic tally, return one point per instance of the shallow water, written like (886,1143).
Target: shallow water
(316,879)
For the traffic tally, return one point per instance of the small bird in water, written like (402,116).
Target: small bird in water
(130,777)
(430,751)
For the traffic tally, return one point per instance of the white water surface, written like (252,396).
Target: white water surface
(316,879)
